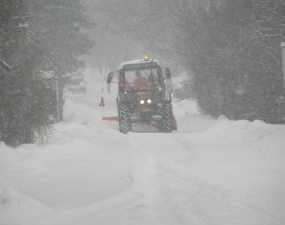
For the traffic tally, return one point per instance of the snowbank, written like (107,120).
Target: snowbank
(264,136)
(16,207)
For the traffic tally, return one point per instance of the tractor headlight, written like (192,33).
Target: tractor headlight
(141,102)
(148,101)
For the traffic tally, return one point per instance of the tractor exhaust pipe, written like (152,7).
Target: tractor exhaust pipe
(283,60)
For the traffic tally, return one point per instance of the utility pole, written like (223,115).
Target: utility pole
(57,100)
(283,60)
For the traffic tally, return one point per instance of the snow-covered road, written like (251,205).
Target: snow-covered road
(208,172)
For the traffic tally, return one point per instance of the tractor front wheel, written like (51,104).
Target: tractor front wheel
(166,125)
(124,119)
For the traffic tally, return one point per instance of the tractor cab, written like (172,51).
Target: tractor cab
(143,90)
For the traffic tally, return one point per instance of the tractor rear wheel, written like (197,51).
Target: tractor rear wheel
(124,119)
(166,124)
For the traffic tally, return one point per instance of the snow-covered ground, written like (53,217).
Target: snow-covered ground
(210,172)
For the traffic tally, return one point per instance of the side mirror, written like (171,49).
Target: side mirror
(167,73)
(109,78)
(168,86)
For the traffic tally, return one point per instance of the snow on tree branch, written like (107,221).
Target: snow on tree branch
(5,66)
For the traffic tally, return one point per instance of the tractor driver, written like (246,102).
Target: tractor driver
(140,82)
(152,79)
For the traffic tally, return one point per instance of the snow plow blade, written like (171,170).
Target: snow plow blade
(110,118)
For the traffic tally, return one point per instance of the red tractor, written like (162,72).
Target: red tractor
(144,95)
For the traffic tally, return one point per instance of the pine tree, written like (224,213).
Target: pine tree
(34,56)
(60,26)
(19,89)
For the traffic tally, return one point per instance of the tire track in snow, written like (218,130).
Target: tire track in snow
(184,196)
(146,177)
(247,204)
(169,192)
(208,194)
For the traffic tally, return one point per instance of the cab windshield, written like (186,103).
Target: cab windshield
(141,79)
